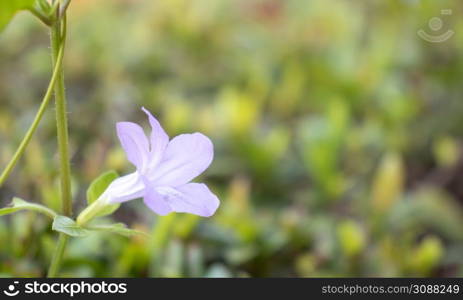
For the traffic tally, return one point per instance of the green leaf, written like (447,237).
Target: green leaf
(9,7)
(18,204)
(118,228)
(99,185)
(68,226)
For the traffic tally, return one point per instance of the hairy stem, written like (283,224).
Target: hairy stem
(58,33)
(38,117)
(58,36)
(58,256)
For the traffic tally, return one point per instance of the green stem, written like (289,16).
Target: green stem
(39,15)
(58,37)
(64,7)
(38,117)
(58,256)
(18,204)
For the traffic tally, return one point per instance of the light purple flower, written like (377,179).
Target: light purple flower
(164,170)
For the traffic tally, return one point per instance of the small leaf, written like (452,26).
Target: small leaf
(118,228)
(388,182)
(351,238)
(9,7)
(68,226)
(99,185)
(19,204)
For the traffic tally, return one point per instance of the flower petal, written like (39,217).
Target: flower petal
(158,140)
(194,198)
(125,188)
(134,142)
(156,202)
(186,156)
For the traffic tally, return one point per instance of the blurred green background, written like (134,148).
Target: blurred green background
(337,133)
